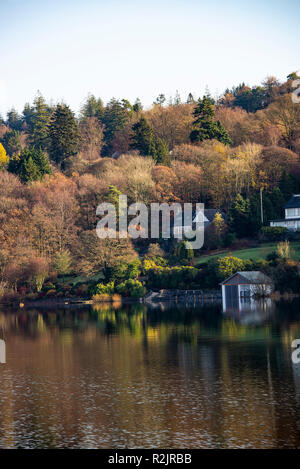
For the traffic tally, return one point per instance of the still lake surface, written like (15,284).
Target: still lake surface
(134,377)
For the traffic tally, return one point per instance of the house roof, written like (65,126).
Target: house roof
(286,220)
(209,215)
(253,277)
(294,202)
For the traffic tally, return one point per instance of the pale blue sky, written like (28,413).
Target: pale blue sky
(129,48)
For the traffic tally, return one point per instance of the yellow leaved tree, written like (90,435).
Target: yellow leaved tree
(3,156)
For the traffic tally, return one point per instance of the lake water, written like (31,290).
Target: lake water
(150,378)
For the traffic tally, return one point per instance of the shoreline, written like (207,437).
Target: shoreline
(152,297)
(194,297)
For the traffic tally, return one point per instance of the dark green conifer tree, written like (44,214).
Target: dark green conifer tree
(12,142)
(64,134)
(204,126)
(14,121)
(148,144)
(239,217)
(30,165)
(27,116)
(116,115)
(92,107)
(40,119)
(137,105)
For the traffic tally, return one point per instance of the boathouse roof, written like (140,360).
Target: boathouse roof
(254,277)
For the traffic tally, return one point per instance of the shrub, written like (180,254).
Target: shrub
(3,288)
(51,293)
(229,265)
(287,277)
(126,270)
(101,297)
(274,233)
(282,253)
(229,239)
(22,290)
(48,286)
(217,270)
(183,251)
(273,258)
(103,289)
(283,250)
(132,288)
(155,251)
(116,298)
(183,277)
(153,263)
(81,290)
(64,290)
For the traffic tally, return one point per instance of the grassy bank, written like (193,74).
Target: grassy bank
(257,253)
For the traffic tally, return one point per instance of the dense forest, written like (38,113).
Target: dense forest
(55,168)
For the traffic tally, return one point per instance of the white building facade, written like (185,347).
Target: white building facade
(292,215)
(244,285)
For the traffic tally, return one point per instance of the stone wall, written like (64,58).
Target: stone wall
(182,296)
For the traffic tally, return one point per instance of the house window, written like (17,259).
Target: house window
(292,212)
(245,292)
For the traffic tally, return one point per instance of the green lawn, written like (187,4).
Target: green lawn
(260,252)
(73,280)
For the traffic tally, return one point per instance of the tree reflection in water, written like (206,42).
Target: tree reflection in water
(113,377)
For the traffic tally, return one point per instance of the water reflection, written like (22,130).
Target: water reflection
(2,351)
(250,311)
(128,377)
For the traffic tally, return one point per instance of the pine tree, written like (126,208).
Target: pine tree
(92,107)
(12,142)
(240,217)
(219,227)
(204,126)
(29,171)
(112,196)
(30,165)
(148,144)
(177,99)
(39,124)
(14,120)
(64,134)
(190,99)
(160,100)
(28,113)
(161,154)
(41,160)
(116,115)
(137,105)
(63,262)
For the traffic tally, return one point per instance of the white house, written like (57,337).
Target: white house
(244,285)
(292,215)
